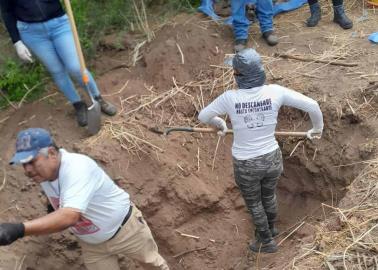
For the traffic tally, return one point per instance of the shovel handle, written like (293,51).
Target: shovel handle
(77,41)
(230,131)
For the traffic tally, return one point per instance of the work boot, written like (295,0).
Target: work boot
(240,44)
(340,18)
(264,243)
(81,113)
(270,38)
(106,107)
(316,15)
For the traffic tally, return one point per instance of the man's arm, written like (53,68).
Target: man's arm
(57,221)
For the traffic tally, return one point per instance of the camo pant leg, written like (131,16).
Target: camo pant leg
(257,179)
(268,187)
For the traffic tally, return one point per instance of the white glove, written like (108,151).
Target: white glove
(314,133)
(23,52)
(220,124)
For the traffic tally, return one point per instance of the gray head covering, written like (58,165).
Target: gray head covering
(250,70)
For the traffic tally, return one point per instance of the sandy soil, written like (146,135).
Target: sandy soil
(179,189)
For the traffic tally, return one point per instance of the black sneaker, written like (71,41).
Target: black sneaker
(106,107)
(81,110)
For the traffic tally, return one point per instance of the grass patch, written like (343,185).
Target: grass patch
(17,80)
(94,19)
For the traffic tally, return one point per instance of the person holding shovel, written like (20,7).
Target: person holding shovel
(42,28)
(257,159)
(86,201)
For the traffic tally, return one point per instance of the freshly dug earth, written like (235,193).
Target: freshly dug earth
(187,186)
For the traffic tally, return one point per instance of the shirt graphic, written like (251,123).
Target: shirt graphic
(83,226)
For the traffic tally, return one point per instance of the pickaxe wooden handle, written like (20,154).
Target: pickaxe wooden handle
(168,130)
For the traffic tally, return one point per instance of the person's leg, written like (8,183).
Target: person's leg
(37,39)
(316,15)
(264,12)
(98,257)
(248,175)
(109,263)
(268,190)
(65,47)
(240,23)
(135,241)
(339,15)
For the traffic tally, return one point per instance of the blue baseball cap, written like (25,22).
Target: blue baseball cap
(29,143)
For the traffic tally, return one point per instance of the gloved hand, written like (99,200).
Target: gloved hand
(314,133)
(10,232)
(220,124)
(23,52)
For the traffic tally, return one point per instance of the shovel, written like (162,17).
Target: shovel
(94,111)
(168,130)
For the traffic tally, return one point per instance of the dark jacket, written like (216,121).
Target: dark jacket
(28,11)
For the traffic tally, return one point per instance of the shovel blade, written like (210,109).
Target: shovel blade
(94,118)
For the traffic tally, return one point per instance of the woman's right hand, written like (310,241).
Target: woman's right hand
(23,52)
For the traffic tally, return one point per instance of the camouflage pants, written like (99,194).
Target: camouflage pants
(257,180)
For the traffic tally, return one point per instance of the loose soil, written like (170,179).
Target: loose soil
(188,187)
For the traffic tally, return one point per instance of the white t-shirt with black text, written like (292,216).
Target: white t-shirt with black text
(84,186)
(253,114)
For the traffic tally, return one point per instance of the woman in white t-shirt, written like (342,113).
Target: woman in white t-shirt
(253,111)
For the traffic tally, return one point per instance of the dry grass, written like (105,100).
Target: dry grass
(162,109)
(348,238)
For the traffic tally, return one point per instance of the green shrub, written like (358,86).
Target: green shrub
(16,80)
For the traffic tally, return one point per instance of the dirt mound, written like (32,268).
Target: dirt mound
(184,183)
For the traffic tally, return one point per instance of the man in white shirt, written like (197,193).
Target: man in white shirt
(253,111)
(86,201)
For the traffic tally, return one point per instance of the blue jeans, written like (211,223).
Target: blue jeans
(240,23)
(53,44)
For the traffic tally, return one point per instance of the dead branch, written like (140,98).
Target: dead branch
(188,251)
(303,59)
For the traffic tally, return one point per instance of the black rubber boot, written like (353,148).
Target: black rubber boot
(316,15)
(264,243)
(240,44)
(106,107)
(340,18)
(273,230)
(271,221)
(81,113)
(270,38)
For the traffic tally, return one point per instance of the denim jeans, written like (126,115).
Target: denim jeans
(53,44)
(240,23)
